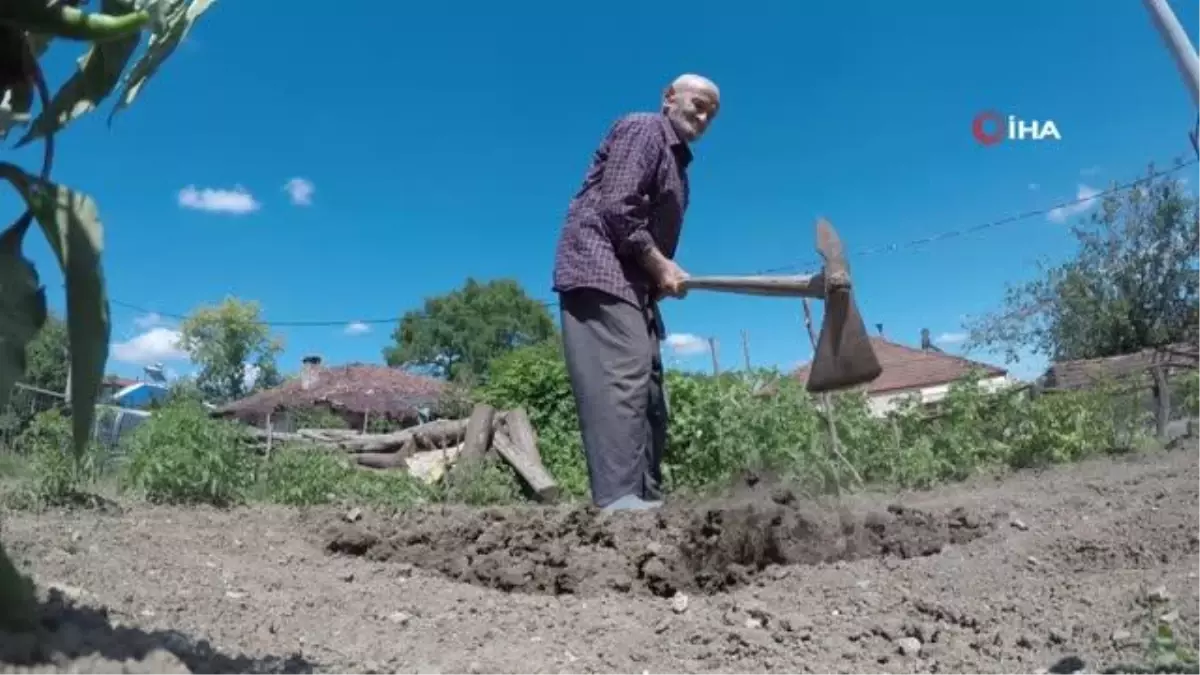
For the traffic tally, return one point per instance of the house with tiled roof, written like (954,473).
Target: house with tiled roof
(925,371)
(354,392)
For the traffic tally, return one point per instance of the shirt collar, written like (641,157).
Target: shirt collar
(677,144)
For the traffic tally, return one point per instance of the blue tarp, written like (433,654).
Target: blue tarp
(140,395)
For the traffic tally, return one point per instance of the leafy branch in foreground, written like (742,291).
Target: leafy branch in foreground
(68,219)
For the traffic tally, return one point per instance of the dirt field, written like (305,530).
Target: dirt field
(990,576)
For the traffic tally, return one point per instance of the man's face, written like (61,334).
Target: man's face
(691,110)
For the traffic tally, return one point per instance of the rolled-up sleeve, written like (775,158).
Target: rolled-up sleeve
(630,172)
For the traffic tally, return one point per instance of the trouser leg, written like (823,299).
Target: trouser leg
(608,349)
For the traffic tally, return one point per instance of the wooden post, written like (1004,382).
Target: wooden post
(712,348)
(270,435)
(746,350)
(1162,397)
(827,401)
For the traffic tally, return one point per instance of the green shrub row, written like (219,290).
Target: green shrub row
(722,429)
(763,422)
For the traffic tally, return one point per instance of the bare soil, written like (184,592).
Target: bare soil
(1062,569)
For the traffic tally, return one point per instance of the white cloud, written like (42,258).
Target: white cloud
(1087,198)
(1034,187)
(155,345)
(951,338)
(237,201)
(150,320)
(686,344)
(356,328)
(300,191)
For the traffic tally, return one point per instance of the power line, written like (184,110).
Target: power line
(1007,220)
(813,265)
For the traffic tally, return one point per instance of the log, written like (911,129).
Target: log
(523,457)
(520,430)
(478,436)
(382,460)
(428,436)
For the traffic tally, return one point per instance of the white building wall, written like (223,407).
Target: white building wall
(881,404)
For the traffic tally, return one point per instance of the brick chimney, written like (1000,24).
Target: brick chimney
(310,371)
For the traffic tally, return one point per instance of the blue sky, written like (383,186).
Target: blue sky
(443,140)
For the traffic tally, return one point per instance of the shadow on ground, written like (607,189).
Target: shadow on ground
(80,638)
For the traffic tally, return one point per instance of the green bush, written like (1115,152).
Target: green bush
(535,378)
(303,477)
(764,422)
(1187,392)
(58,476)
(183,456)
(298,476)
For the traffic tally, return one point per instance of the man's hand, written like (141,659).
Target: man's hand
(671,280)
(668,276)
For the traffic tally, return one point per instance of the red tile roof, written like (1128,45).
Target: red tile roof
(910,368)
(1086,372)
(354,388)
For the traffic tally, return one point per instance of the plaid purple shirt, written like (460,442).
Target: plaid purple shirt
(634,195)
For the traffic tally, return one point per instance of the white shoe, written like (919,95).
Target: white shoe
(631,503)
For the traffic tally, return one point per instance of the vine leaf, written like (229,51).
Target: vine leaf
(160,47)
(99,71)
(22,309)
(71,225)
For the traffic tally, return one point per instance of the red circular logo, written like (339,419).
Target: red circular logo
(984,121)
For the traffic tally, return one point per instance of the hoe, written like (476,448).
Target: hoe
(844,357)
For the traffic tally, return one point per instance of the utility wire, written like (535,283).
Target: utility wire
(813,265)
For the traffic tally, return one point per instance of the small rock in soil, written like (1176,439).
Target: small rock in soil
(1159,594)
(679,603)
(908,646)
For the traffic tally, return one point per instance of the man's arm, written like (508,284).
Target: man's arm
(630,171)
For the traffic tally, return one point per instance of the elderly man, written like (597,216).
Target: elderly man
(613,262)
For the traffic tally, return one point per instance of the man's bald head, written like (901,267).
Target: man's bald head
(691,102)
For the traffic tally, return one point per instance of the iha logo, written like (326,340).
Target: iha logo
(990,127)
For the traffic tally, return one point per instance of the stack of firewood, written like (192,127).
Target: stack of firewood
(431,449)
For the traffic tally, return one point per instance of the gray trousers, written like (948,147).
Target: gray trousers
(615,367)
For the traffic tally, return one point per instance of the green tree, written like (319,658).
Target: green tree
(456,335)
(46,356)
(1131,284)
(225,341)
(68,219)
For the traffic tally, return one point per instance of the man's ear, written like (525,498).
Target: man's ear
(669,94)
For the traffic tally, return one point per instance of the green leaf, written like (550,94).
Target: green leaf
(98,73)
(160,48)
(17,102)
(39,42)
(22,310)
(72,227)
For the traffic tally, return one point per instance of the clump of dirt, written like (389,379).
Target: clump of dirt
(697,548)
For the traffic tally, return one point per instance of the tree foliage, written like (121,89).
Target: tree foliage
(234,349)
(456,335)
(47,356)
(1131,284)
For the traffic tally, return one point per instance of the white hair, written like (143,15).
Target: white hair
(696,82)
